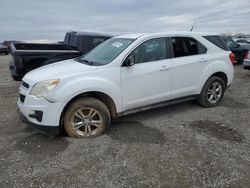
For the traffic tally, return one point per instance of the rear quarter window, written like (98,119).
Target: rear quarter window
(218,41)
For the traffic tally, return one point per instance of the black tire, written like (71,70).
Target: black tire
(71,116)
(205,93)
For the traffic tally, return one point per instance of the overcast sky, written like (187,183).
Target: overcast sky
(49,19)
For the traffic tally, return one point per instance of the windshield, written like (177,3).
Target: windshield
(106,51)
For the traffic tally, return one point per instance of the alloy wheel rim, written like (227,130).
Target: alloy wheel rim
(214,92)
(87,121)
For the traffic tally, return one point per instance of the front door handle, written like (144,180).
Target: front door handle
(164,68)
(203,60)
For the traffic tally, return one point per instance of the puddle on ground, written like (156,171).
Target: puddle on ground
(43,144)
(232,103)
(135,132)
(217,129)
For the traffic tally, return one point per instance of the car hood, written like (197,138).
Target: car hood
(57,70)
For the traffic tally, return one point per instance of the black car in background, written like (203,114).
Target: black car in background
(29,56)
(3,49)
(239,51)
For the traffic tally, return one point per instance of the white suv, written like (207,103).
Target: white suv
(126,74)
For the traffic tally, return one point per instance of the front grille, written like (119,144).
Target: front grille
(24,84)
(22,98)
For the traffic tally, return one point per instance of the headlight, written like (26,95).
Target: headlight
(43,87)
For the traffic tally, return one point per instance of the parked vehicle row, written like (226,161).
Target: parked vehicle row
(240,52)
(3,49)
(126,74)
(29,56)
(246,63)
(243,42)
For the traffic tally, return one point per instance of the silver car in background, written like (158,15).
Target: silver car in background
(243,42)
(246,63)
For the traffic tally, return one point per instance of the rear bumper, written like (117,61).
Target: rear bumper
(246,64)
(50,129)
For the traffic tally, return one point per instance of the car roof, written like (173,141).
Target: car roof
(187,33)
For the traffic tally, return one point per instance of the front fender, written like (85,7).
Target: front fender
(67,91)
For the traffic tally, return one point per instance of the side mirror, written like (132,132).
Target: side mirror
(130,61)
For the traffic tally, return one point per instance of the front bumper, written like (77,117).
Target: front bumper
(51,129)
(39,111)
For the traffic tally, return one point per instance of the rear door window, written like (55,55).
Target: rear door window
(186,46)
(66,39)
(75,41)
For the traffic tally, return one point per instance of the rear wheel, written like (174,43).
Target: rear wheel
(86,117)
(212,92)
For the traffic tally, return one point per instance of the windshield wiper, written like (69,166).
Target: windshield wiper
(78,59)
(84,61)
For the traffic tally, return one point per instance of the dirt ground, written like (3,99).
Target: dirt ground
(183,145)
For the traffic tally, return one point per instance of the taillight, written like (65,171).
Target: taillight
(246,55)
(232,57)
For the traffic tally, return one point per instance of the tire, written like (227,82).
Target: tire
(86,117)
(211,95)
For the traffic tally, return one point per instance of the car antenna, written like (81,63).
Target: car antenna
(193,26)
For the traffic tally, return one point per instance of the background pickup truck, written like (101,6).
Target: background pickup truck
(29,56)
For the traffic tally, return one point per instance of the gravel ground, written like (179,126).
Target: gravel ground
(183,145)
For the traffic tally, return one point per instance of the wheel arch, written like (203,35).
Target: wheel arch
(106,99)
(221,75)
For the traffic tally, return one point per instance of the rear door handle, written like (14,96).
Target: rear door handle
(164,68)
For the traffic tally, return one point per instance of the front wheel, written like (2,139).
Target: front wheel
(212,92)
(86,117)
